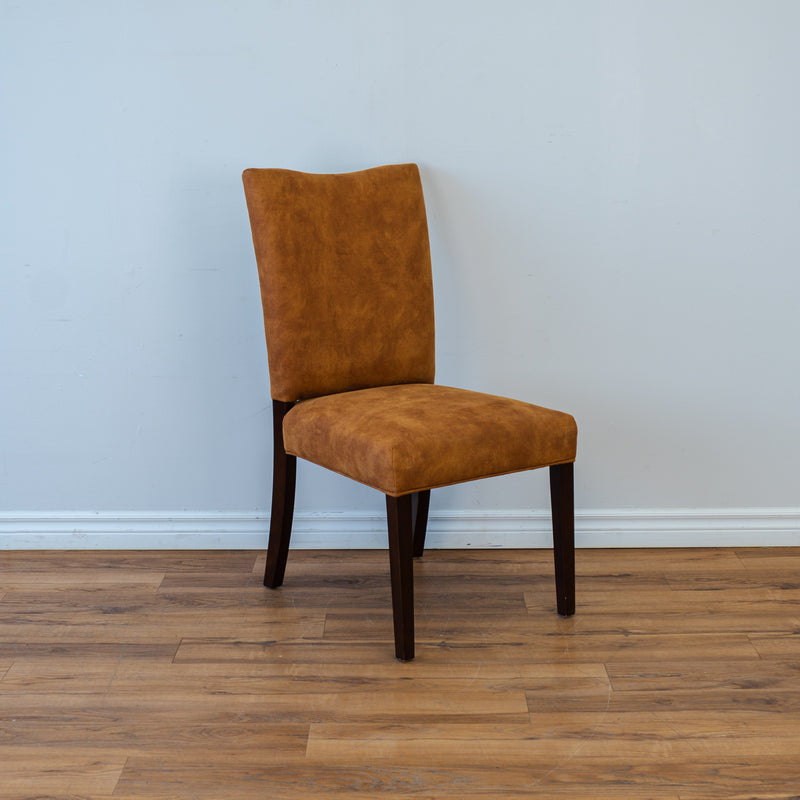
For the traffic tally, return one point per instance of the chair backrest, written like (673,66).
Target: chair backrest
(345,273)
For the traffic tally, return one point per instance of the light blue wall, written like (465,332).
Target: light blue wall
(613,190)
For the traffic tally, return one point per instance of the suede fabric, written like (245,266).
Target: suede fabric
(407,438)
(345,273)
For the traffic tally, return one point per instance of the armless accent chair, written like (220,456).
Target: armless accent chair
(347,292)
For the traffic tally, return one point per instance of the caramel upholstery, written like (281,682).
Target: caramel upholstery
(409,438)
(345,272)
(346,287)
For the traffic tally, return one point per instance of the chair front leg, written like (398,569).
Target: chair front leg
(563,509)
(401,564)
(419,511)
(284,472)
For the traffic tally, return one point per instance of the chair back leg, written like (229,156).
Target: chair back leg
(284,472)
(401,564)
(563,509)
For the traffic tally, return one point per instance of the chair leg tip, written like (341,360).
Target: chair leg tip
(405,653)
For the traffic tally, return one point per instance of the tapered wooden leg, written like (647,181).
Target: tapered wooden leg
(419,511)
(400,523)
(563,510)
(284,471)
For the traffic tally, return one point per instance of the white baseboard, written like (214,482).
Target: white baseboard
(739,527)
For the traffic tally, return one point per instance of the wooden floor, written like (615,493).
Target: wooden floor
(176,675)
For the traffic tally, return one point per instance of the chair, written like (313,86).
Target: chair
(346,286)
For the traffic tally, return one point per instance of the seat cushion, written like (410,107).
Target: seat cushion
(407,438)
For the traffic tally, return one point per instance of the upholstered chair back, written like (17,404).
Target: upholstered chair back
(345,273)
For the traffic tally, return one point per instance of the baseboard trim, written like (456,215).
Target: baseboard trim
(742,527)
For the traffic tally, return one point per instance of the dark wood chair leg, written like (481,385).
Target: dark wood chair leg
(400,524)
(284,472)
(563,510)
(419,511)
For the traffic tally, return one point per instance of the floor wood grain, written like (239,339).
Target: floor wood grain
(155,675)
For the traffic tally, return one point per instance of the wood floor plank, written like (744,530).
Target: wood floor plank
(338,781)
(745,581)
(141,690)
(139,611)
(596,777)
(642,737)
(765,590)
(467,654)
(538,755)
(774,560)
(338,704)
(728,676)
(117,633)
(46,650)
(202,581)
(461,669)
(721,732)
(45,583)
(677,699)
(470,650)
(345,596)
(66,561)
(783,645)
(675,617)
(96,625)
(184,732)
(63,772)
(566,638)
(65,676)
